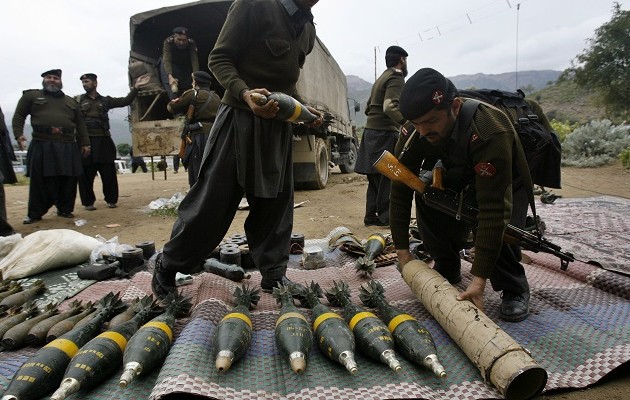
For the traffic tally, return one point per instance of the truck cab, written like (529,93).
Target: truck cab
(322,85)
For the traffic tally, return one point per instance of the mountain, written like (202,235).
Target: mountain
(528,81)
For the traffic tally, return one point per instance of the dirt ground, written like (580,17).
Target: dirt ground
(340,204)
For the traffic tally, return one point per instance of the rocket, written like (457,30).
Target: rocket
(101,356)
(149,346)
(234,333)
(291,110)
(411,338)
(293,332)
(373,248)
(371,334)
(43,372)
(333,336)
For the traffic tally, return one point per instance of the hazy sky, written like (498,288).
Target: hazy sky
(453,36)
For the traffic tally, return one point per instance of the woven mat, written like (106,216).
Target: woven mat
(578,330)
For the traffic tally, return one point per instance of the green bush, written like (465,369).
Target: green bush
(597,143)
(624,156)
(563,129)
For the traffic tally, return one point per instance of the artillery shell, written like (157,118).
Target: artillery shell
(15,337)
(19,298)
(293,333)
(334,337)
(37,334)
(232,338)
(65,326)
(29,310)
(291,110)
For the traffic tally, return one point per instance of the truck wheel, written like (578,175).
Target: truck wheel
(321,166)
(348,167)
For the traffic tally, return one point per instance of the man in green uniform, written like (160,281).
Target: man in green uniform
(483,158)
(94,108)
(6,174)
(53,158)
(261,49)
(179,60)
(381,132)
(206,104)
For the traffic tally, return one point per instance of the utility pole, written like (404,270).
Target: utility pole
(374,63)
(518,7)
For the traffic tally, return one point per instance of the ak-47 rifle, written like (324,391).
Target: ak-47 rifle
(437,198)
(186,140)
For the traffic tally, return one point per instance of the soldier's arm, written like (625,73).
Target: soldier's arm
(167,58)
(391,106)
(22,110)
(194,57)
(115,102)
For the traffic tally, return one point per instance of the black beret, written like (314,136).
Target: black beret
(56,72)
(202,77)
(181,30)
(90,76)
(424,91)
(396,50)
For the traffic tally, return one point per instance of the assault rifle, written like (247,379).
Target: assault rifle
(435,197)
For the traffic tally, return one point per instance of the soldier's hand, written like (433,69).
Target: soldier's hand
(85,151)
(404,256)
(320,117)
(21,141)
(474,292)
(142,80)
(267,110)
(171,80)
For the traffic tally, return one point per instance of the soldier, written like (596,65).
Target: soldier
(206,104)
(53,158)
(6,174)
(381,132)
(94,108)
(179,60)
(483,161)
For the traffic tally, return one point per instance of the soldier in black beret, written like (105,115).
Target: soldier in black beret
(54,72)
(381,132)
(179,60)
(482,156)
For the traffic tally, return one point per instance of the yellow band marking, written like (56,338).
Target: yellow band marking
(323,318)
(397,320)
(290,315)
(379,238)
(161,326)
(296,112)
(240,316)
(115,337)
(65,345)
(358,317)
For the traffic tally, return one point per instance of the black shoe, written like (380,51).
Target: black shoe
(112,205)
(162,282)
(453,277)
(29,220)
(514,306)
(90,207)
(65,215)
(268,285)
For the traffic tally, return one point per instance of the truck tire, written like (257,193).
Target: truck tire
(348,167)
(320,175)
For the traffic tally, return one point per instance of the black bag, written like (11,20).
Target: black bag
(541,145)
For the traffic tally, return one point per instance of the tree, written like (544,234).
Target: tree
(123,149)
(605,65)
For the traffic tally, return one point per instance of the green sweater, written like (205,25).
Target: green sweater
(258,47)
(382,109)
(493,141)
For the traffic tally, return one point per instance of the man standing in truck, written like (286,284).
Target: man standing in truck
(261,49)
(381,132)
(179,60)
(94,108)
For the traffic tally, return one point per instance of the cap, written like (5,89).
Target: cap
(424,91)
(56,72)
(202,77)
(396,50)
(180,29)
(90,76)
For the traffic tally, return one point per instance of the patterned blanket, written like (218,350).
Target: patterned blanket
(578,330)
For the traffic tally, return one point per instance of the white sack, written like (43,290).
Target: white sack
(45,250)
(7,243)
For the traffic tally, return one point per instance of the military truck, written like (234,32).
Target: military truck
(322,85)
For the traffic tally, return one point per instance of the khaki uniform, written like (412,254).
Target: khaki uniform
(180,63)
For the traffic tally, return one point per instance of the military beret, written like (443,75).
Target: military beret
(424,91)
(181,30)
(56,72)
(202,77)
(396,50)
(90,76)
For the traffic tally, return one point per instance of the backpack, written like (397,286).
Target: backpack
(540,144)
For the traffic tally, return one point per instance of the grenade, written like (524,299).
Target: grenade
(101,356)
(372,336)
(334,337)
(291,110)
(293,333)
(373,248)
(412,339)
(43,372)
(234,333)
(148,348)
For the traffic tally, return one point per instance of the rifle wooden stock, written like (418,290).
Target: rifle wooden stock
(186,140)
(388,165)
